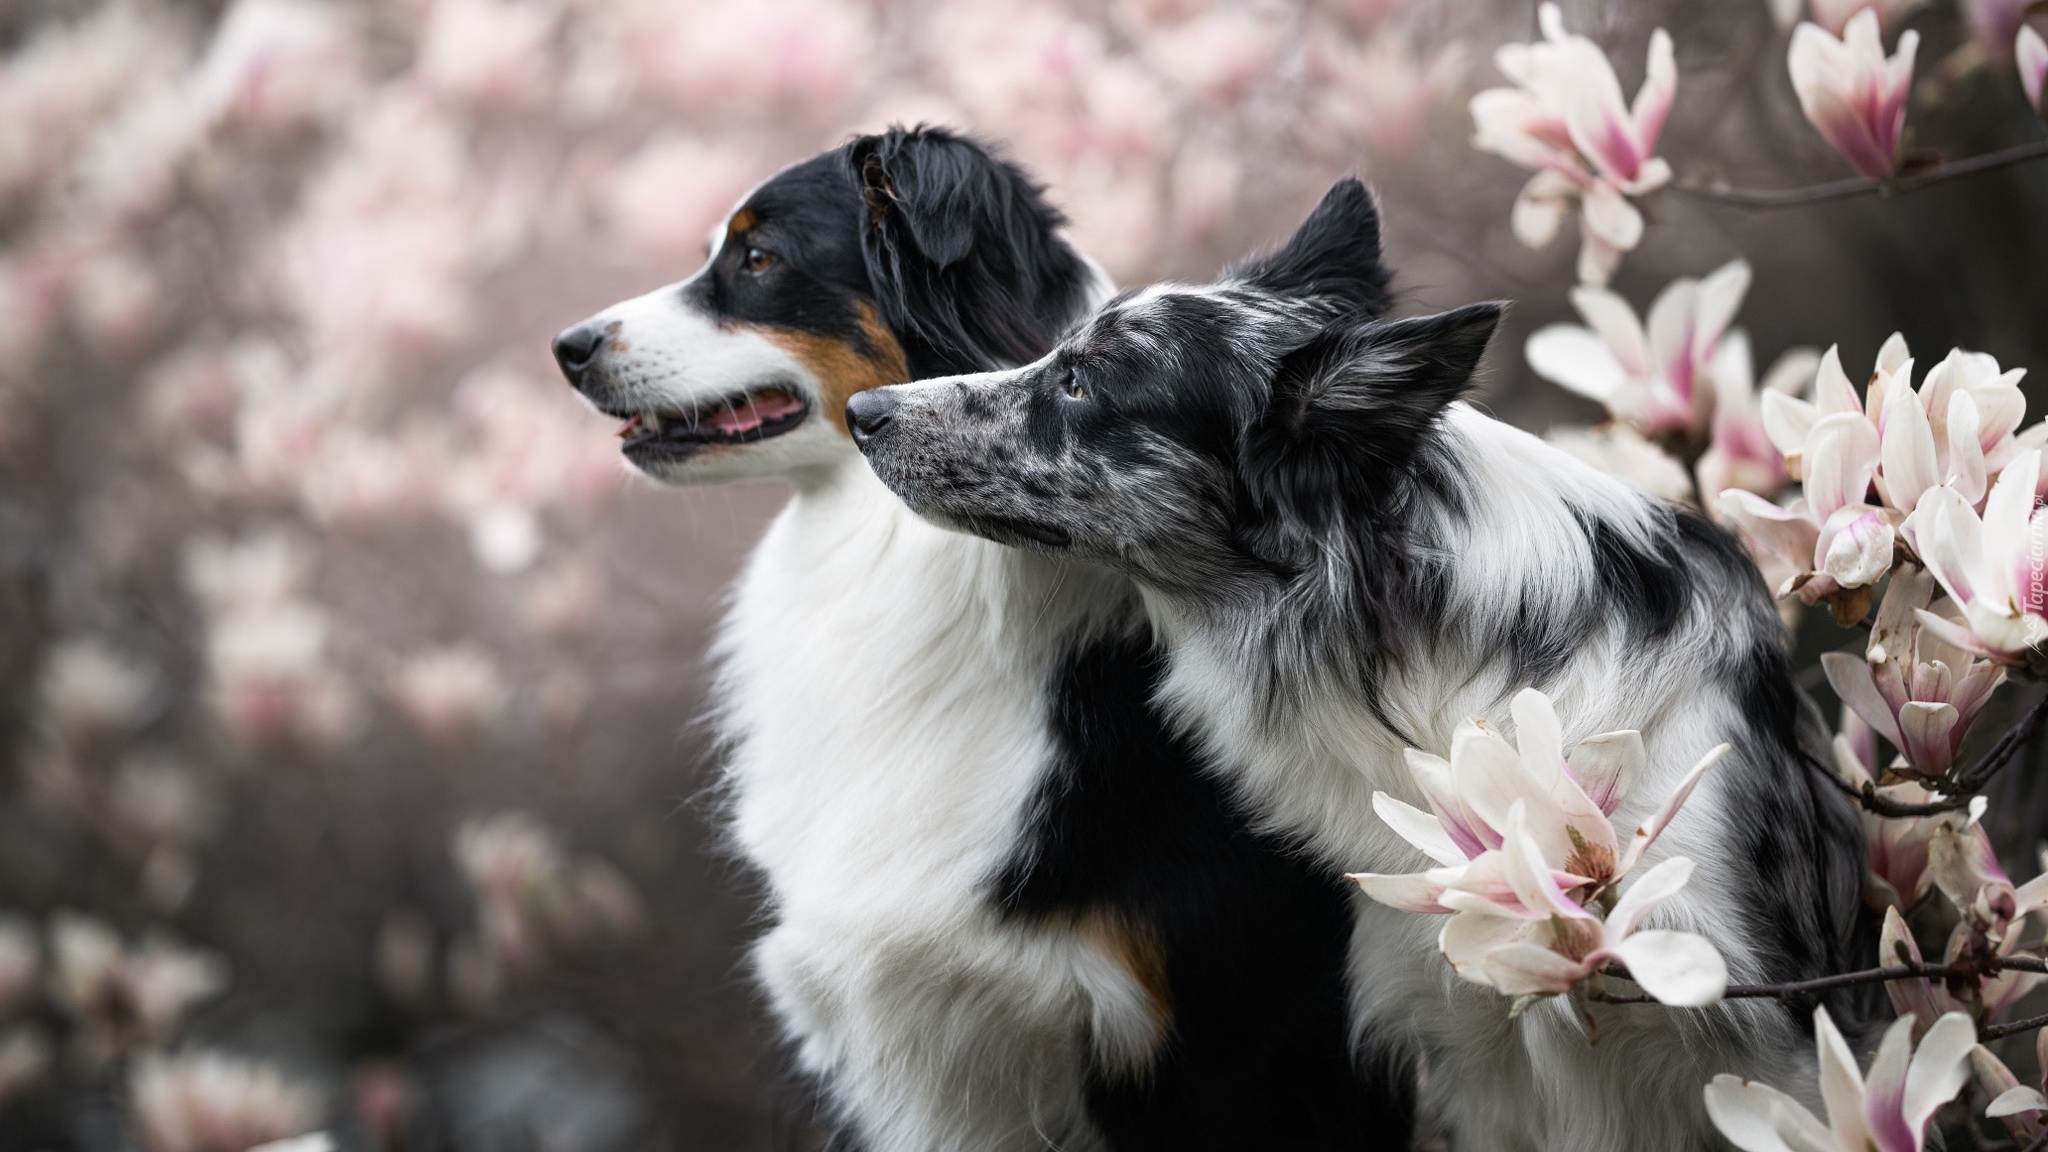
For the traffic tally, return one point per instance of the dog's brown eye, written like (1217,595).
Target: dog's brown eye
(758,261)
(1074,388)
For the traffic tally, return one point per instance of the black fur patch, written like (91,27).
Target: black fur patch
(1254,935)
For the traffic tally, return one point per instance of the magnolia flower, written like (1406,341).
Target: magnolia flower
(24,1056)
(1926,1001)
(1852,93)
(2030,52)
(1912,688)
(1538,941)
(530,893)
(1834,15)
(1620,450)
(21,963)
(120,994)
(278,63)
(1888,1113)
(1995,569)
(1501,815)
(1657,377)
(215,1102)
(448,693)
(1566,120)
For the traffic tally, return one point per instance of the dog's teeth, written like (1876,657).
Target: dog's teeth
(652,422)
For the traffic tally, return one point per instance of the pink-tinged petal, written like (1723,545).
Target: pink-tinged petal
(1610,317)
(1598,256)
(1678,968)
(1648,833)
(1599,124)
(2016,1101)
(1421,829)
(1782,539)
(1898,83)
(1574,358)
(2005,535)
(1841,454)
(1907,456)
(1439,786)
(1670,326)
(1913,998)
(1831,387)
(1851,764)
(1949,538)
(1963,864)
(1492,781)
(1852,681)
(1938,1072)
(1649,890)
(1720,298)
(1929,730)
(1955,634)
(1855,546)
(1660,84)
(2030,52)
(1413,892)
(1606,213)
(2031,897)
(1759,1118)
(1965,470)
(1885,1092)
(1607,766)
(1527,969)
(1841,1083)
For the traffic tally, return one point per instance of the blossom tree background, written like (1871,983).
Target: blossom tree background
(348,690)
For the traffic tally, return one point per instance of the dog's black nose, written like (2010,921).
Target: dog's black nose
(575,348)
(867,413)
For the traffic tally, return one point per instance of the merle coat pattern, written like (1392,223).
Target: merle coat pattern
(1344,560)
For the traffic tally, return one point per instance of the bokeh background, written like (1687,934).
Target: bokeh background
(351,773)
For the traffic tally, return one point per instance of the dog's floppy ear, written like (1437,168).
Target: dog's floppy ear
(963,252)
(1335,254)
(1348,412)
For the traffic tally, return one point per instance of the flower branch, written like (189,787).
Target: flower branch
(1773,198)
(1795,988)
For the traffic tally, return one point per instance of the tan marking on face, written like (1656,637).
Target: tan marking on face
(1135,947)
(841,368)
(742,221)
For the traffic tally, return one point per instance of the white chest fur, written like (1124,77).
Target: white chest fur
(882,693)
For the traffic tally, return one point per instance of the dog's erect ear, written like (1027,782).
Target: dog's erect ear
(1334,254)
(963,251)
(1349,411)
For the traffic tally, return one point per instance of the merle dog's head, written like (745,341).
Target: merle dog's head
(899,256)
(1189,436)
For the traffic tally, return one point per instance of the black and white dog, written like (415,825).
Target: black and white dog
(1010,912)
(1342,561)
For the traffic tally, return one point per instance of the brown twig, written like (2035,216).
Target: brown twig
(1980,773)
(1770,198)
(2001,1031)
(1800,987)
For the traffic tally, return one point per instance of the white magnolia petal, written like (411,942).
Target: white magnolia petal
(2016,1102)
(1649,890)
(1527,969)
(1720,298)
(1851,678)
(1410,892)
(1939,1069)
(1607,766)
(1841,1081)
(1907,456)
(1574,358)
(1609,316)
(1648,833)
(1678,968)
(1759,1118)
(1419,828)
(1606,213)
(1538,737)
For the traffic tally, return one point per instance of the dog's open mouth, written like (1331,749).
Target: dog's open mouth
(740,419)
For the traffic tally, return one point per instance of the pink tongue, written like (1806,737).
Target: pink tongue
(755,411)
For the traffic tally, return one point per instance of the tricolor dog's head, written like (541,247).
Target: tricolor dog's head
(896,257)
(1189,435)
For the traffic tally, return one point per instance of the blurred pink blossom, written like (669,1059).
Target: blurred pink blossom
(24,1057)
(21,964)
(124,995)
(664,199)
(719,60)
(489,52)
(1834,15)
(209,1101)
(563,600)
(360,479)
(1852,92)
(1566,119)
(1966,869)
(2017,1105)
(1995,24)
(87,688)
(1660,377)
(1895,870)
(448,693)
(1220,54)
(1619,450)
(118,304)
(269,673)
(1380,93)
(280,63)
(1205,186)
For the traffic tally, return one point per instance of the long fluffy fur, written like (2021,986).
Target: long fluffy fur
(1344,561)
